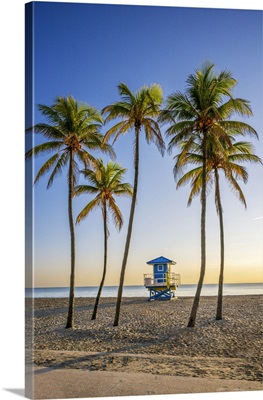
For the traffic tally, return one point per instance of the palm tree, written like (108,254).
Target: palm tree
(205,110)
(105,183)
(137,111)
(72,130)
(228,161)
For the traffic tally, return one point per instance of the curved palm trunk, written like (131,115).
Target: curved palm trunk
(222,249)
(191,322)
(70,320)
(129,233)
(95,310)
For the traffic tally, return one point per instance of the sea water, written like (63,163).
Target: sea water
(141,291)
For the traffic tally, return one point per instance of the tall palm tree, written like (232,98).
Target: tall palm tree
(71,132)
(105,183)
(136,111)
(204,110)
(227,160)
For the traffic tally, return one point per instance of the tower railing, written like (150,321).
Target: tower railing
(163,279)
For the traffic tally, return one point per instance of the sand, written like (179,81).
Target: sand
(151,352)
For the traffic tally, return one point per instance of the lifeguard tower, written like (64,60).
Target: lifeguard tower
(162,283)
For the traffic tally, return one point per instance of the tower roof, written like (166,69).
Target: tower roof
(161,260)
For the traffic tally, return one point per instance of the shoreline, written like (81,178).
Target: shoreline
(152,339)
(140,291)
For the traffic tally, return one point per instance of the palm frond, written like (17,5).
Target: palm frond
(106,181)
(74,128)
(238,128)
(117,130)
(196,186)
(235,106)
(51,114)
(116,110)
(189,177)
(124,189)
(136,110)
(125,93)
(251,158)
(48,131)
(234,186)
(44,148)
(153,134)
(178,107)
(88,208)
(58,169)
(181,135)
(236,171)
(206,109)
(47,166)
(85,189)
(115,213)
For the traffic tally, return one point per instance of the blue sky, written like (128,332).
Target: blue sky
(86,50)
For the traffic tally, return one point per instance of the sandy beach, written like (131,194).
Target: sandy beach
(151,352)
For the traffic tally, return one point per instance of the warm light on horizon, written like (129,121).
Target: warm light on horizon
(233,275)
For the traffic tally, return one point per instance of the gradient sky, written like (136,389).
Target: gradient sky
(85,50)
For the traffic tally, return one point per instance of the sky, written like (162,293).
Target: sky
(85,50)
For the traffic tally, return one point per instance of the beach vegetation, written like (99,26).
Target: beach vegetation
(203,114)
(228,159)
(135,112)
(71,132)
(105,183)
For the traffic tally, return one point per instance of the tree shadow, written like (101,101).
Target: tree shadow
(70,363)
(33,313)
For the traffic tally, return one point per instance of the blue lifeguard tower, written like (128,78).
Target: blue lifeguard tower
(162,283)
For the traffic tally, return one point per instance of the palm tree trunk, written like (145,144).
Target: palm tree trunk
(95,310)
(191,322)
(222,249)
(129,233)
(70,320)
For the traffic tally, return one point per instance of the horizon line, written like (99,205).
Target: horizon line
(184,284)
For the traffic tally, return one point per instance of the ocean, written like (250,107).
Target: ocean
(140,291)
